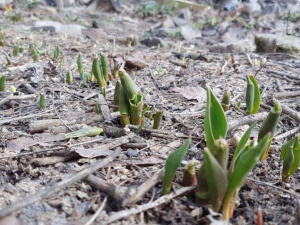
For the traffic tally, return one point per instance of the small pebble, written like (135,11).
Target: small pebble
(131,153)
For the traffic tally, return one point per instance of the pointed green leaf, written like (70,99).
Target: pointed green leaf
(172,164)
(287,162)
(216,180)
(290,143)
(249,96)
(130,88)
(296,153)
(243,141)
(220,150)
(269,125)
(98,73)
(215,123)
(256,102)
(245,162)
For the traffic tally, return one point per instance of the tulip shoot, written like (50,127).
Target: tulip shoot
(79,66)
(98,73)
(245,162)
(189,175)
(130,88)
(215,123)
(157,119)
(42,101)
(117,96)
(252,96)
(290,155)
(269,126)
(226,100)
(2,83)
(172,164)
(56,53)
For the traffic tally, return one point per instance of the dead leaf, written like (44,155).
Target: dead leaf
(192,92)
(136,60)
(25,142)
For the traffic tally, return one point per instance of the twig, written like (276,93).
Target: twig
(249,60)
(16,97)
(178,64)
(2,121)
(286,94)
(91,220)
(246,120)
(273,186)
(284,75)
(125,213)
(57,187)
(125,195)
(104,107)
(286,134)
(154,79)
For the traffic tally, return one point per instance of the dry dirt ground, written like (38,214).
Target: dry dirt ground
(34,153)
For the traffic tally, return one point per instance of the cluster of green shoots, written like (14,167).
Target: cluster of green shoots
(218,180)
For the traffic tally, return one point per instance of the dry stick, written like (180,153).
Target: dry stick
(178,64)
(283,75)
(125,213)
(30,89)
(2,121)
(286,134)
(40,125)
(286,94)
(286,110)
(91,220)
(273,186)
(246,120)
(16,97)
(57,187)
(125,195)
(104,108)
(154,80)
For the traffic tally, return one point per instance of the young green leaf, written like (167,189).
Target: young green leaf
(256,102)
(157,119)
(172,164)
(189,175)
(56,52)
(2,83)
(269,126)
(105,66)
(79,65)
(117,96)
(16,50)
(287,162)
(216,180)
(42,101)
(226,100)
(215,123)
(291,158)
(245,162)
(130,88)
(296,151)
(98,73)
(243,141)
(124,107)
(250,94)
(136,109)
(220,151)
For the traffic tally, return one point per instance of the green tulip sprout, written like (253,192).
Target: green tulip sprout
(290,155)
(172,164)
